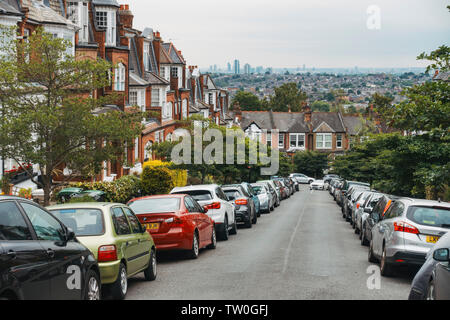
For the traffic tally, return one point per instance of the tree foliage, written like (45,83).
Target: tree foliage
(50,117)
(311,163)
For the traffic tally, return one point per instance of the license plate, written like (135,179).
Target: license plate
(152,226)
(433,239)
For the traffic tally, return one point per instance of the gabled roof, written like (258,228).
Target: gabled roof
(40,13)
(164,56)
(112,3)
(353,124)
(9,7)
(323,127)
(175,57)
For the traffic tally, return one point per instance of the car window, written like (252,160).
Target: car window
(134,222)
(430,216)
(220,194)
(45,226)
(189,204)
(197,206)
(155,205)
(12,224)
(199,195)
(84,222)
(120,221)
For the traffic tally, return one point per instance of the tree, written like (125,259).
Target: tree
(288,96)
(49,117)
(247,101)
(311,163)
(321,106)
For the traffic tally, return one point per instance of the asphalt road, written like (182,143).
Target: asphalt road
(302,250)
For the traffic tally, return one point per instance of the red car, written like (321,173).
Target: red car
(176,222)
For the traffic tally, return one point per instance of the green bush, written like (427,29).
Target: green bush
(156,180)
(120,191)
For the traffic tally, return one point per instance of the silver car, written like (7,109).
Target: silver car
(266,198)
(408,230)
(274,187)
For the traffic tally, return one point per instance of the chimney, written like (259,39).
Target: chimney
(308,113)
(157,45)
(126,17)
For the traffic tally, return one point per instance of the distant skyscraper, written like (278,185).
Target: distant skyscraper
(237,67)
(229,67)
(247,68)
(304,67)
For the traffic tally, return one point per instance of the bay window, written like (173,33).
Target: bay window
(119,78)
(146,56)
(106,19)
(156,101)
(324,141)
(78,13)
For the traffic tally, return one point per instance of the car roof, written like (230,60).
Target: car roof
(209,187)
(424,202)
(85,205)
(161,196)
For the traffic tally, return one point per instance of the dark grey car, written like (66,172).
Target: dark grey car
(421,283)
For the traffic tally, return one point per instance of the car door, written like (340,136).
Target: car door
(442,281)
(194,215)
(141,252)
(228,206)
(23,262)
(66,258)
(205,223)
(125,240)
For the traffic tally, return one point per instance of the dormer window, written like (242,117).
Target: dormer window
(147,56)
(119,78)
(78,13)
(106,19)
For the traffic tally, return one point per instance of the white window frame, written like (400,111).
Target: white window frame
(339,141)
(281,140)
(322,142)
(119,77)
(109,23)
(78,13)
(269,139)
(297,140)
(146,56)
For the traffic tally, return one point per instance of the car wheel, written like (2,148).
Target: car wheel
(234,228)
(431,294)
(371,256)
(364,241)
(213,244)
(120,287)
(93,286)
(150,272)
(255,219)
(224,232)
(386,268)
(193,253)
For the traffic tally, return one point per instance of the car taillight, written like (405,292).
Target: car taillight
(241,202)
(405,227)
(357,206)
(107,253)
(173,221)
(215,205)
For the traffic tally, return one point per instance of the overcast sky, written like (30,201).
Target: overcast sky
(290,33)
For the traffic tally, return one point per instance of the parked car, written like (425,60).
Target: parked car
(327,180)
(98,196)
(254,197)
(407,231)
(363,212)
(119,242)
(66,194)
(301,178)
(382,205)
(439,287)
(344,189)
(283,189)
(420,287)
(317,185)
(39,255)
(350,200)
(285,184)
(266,198)
(243,203)
(275,188)
(220,209)
(176,222)
(337,191)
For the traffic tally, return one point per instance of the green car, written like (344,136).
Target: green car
(121,245)
(66,194)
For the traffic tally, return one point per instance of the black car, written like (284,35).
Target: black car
(439,287)
(40,258)
(243,204)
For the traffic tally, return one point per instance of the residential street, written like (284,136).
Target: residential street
(302,250)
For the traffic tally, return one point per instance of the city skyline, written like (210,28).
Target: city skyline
(322,33)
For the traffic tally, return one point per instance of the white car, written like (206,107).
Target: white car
(301,178)
(317,185)
(213,198)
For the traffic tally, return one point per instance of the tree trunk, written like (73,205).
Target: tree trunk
(47,181)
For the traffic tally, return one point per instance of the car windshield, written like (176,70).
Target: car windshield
(430,216)
(259,189)
(199,195)
(155,205)
(83,222)
(232,193)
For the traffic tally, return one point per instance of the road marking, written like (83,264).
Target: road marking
(286,257)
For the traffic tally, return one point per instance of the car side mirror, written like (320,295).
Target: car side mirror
(70,235)
(442,255)
(205,209)
(375,216)
(367,210)
(143,229)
